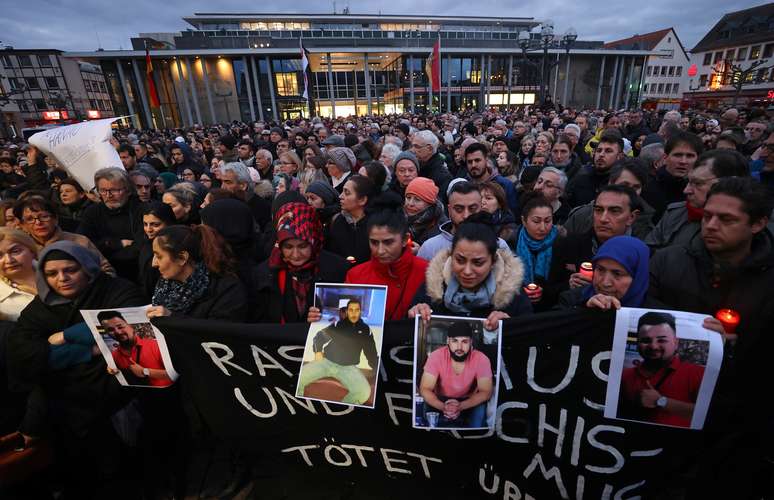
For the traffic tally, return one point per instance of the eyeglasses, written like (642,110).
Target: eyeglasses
(31,219)
(697,183)
(110,192)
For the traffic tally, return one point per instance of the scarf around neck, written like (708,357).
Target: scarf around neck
(460,300)
(536,254)
(180,296)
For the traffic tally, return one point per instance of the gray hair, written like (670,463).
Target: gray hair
(392,151)
(265,153)
(113,174)
(652,153)
(240,171)
(574,128)
(184,193)
(560,173)
(672,116)
(430,138)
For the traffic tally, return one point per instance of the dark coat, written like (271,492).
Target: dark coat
(584,186)
(106,228)
(272,304)
(82,393)
(569,252)
(226,300)
(348,240)
(663,190)
(435,169)
(147,275)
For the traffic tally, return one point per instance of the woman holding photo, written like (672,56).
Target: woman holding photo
(474,278)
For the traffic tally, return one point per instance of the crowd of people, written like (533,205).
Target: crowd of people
(490,215)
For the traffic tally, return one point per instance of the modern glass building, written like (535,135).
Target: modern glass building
(248,67)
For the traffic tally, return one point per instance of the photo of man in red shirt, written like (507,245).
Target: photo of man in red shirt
(139,359)
(660,388)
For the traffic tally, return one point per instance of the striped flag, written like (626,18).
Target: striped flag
(433,67)
(304,65)
(152,94)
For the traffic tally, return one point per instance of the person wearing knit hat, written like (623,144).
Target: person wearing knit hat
(406,169)
(423,210)
(340,163)
(324,198)
(406,155)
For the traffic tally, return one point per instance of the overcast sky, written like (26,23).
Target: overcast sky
(89,24)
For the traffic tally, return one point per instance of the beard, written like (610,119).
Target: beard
(457,357)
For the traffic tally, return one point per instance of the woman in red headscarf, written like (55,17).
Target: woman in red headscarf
(285,281)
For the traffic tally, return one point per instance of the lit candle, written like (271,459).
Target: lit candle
(587,270)
(729,318)
(534,292)
(409,242)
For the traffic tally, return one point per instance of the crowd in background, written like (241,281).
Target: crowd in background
(493,215)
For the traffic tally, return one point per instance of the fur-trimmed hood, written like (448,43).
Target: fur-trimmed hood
(508,271)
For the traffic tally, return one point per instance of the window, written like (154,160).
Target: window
(671,71)
(25,61)
(7,61)
(650,70)
(755,52)
(741,54)
(679,71)
(286,83)
(730,54)
(14,83)
(40,104)
(707,59)
(102,87)
(761,75)
(655,70)
(87,84)
(675,88)
(32,83)
(23,105)
(644,88)
(660,88)
(768,50)
(717,58)
(92,104)
(44,61)
(663,70)
(52,82)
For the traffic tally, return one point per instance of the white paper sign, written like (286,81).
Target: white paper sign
(82,148)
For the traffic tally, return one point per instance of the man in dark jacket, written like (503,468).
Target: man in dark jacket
(337,350)
(636,126)
(584,186)
(432,164)
(115,224)
(480,171)
(729,265)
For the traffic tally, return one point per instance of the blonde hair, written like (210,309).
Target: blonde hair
(20,237)
(295,159)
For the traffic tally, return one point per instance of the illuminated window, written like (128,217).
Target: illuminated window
(286,83)
(475,77)
(755,52)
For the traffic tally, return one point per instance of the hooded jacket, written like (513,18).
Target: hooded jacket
(188,160)
(508,271)
(443,241)
(82,393)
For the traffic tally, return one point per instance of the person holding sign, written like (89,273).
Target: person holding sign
(457,380)
(337,350)
(660,389)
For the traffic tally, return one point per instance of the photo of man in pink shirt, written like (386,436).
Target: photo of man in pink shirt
(457,382)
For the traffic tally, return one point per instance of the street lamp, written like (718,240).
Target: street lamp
(546,40)
(525,40)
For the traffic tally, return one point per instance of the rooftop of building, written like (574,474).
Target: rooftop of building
(646,41)
(742,27)
(198,17)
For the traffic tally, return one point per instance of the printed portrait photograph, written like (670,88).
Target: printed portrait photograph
(133,349)
(664,358)
(456,369)
(343,349)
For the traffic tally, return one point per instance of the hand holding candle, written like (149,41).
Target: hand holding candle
(534,292)
(729,318)
(587,270)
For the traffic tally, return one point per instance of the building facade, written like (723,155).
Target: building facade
(43,87)
(248,67)
(739,46)
(666,71)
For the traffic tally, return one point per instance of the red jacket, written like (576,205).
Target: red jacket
(403,278)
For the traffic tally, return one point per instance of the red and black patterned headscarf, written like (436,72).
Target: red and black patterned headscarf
(296,221)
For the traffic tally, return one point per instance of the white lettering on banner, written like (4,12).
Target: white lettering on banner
(392,407)
(559,431)
(552,473)
(619,458)
(499,422)
(596,362)
(306,404)
(335,413)
(406,362)
(482,478)
(224,359)
(390,457)
(569,374)
(285,349)
(272,402)
(257,353)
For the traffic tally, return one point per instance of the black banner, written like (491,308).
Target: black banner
(550,439)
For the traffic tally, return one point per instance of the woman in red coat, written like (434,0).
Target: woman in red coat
(392,263)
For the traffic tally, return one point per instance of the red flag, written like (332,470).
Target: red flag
(152,94)
(433,66)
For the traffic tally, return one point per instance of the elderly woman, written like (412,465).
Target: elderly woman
(621,277)
(71,392)
(406,169)
(341,162)
(290,163)
(474,278)
(17,272)
(388,155)
(286,281)
(182,199)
